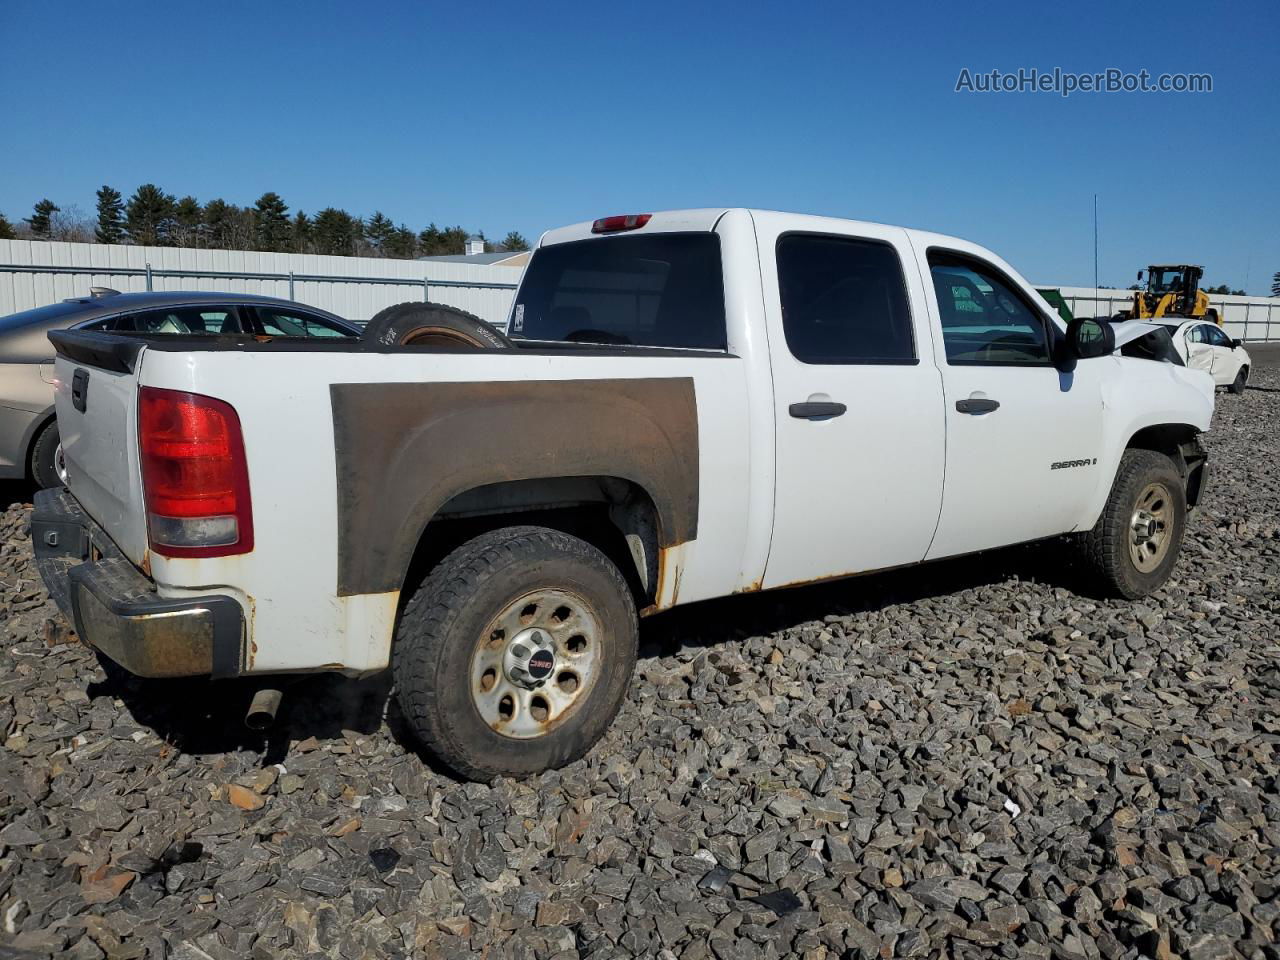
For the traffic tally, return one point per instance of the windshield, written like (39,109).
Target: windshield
(661,290)
(1164,280)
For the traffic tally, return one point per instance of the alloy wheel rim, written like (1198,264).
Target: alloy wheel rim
(60,464)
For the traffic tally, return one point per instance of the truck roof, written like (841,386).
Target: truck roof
(706,218)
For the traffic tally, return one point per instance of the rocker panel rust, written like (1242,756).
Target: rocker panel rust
(405,449)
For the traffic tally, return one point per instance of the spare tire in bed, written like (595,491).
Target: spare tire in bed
(431,324)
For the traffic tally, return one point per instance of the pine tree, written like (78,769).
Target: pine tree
(335,232)
(403,243)
(6,228)
(40,217)
(110,216)
(455,240)
(218,223)
(434,242)
(429,241)
(271,221)
(188,223)
(300,239)
(379,230)
(514,242)
(149,216)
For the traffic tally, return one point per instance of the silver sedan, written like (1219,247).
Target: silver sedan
(28,431)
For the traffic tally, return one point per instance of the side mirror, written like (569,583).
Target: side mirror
(1089,337)
(1237,343)
(1140,273)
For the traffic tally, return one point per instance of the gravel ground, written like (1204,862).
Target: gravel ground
(972,759)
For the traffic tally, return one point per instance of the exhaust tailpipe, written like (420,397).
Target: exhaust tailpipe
(262,709)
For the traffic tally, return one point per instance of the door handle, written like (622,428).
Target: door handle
(977,405)
(816,410)
(80,389)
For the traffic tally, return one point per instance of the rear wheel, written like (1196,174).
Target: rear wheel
(1135,543)
(1242,378)
(46,458)
(515,654)
(432,324)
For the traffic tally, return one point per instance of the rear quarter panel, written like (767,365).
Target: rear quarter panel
(289,584)
(26,402)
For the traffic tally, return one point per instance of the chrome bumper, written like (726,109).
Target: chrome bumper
(116,609)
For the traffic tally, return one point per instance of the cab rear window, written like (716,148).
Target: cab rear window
(659,290)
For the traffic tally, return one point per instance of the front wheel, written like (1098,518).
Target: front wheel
(515,653)
(1135,543)
(1238,384)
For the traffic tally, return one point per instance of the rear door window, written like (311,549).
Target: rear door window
(201,320)
(661,290)
(844,300)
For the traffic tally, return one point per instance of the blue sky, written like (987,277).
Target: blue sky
(527,116)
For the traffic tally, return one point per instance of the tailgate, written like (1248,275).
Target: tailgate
(97,404)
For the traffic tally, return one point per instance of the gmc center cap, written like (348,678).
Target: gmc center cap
(541,664)
(530,658)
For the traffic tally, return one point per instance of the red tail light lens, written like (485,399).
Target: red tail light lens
(195,480)
(629,221)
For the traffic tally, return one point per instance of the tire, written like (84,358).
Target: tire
(45,453)
(455,661)
(431,324)
(1110,547)
(1238,384)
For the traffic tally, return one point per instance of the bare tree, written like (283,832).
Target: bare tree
(72,224)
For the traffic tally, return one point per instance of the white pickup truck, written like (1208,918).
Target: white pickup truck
(685,405)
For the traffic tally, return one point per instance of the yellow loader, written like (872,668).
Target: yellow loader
(1173,292)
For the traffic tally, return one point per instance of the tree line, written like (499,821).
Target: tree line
(151,217)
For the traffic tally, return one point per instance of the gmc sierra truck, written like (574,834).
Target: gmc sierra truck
(684,405)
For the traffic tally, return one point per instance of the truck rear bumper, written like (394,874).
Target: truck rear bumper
(117,610)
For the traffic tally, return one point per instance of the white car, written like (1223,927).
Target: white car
(686,405)
(1204,346)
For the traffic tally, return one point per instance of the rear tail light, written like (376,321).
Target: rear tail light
(629,221)
(195,481)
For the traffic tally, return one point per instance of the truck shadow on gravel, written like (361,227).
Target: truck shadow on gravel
(739,617)
(15,491)
(201,717)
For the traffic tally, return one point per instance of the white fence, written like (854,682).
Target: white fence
(1249,318)
(33,273)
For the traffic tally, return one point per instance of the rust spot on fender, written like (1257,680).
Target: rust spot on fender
(670,573)
(403,450)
